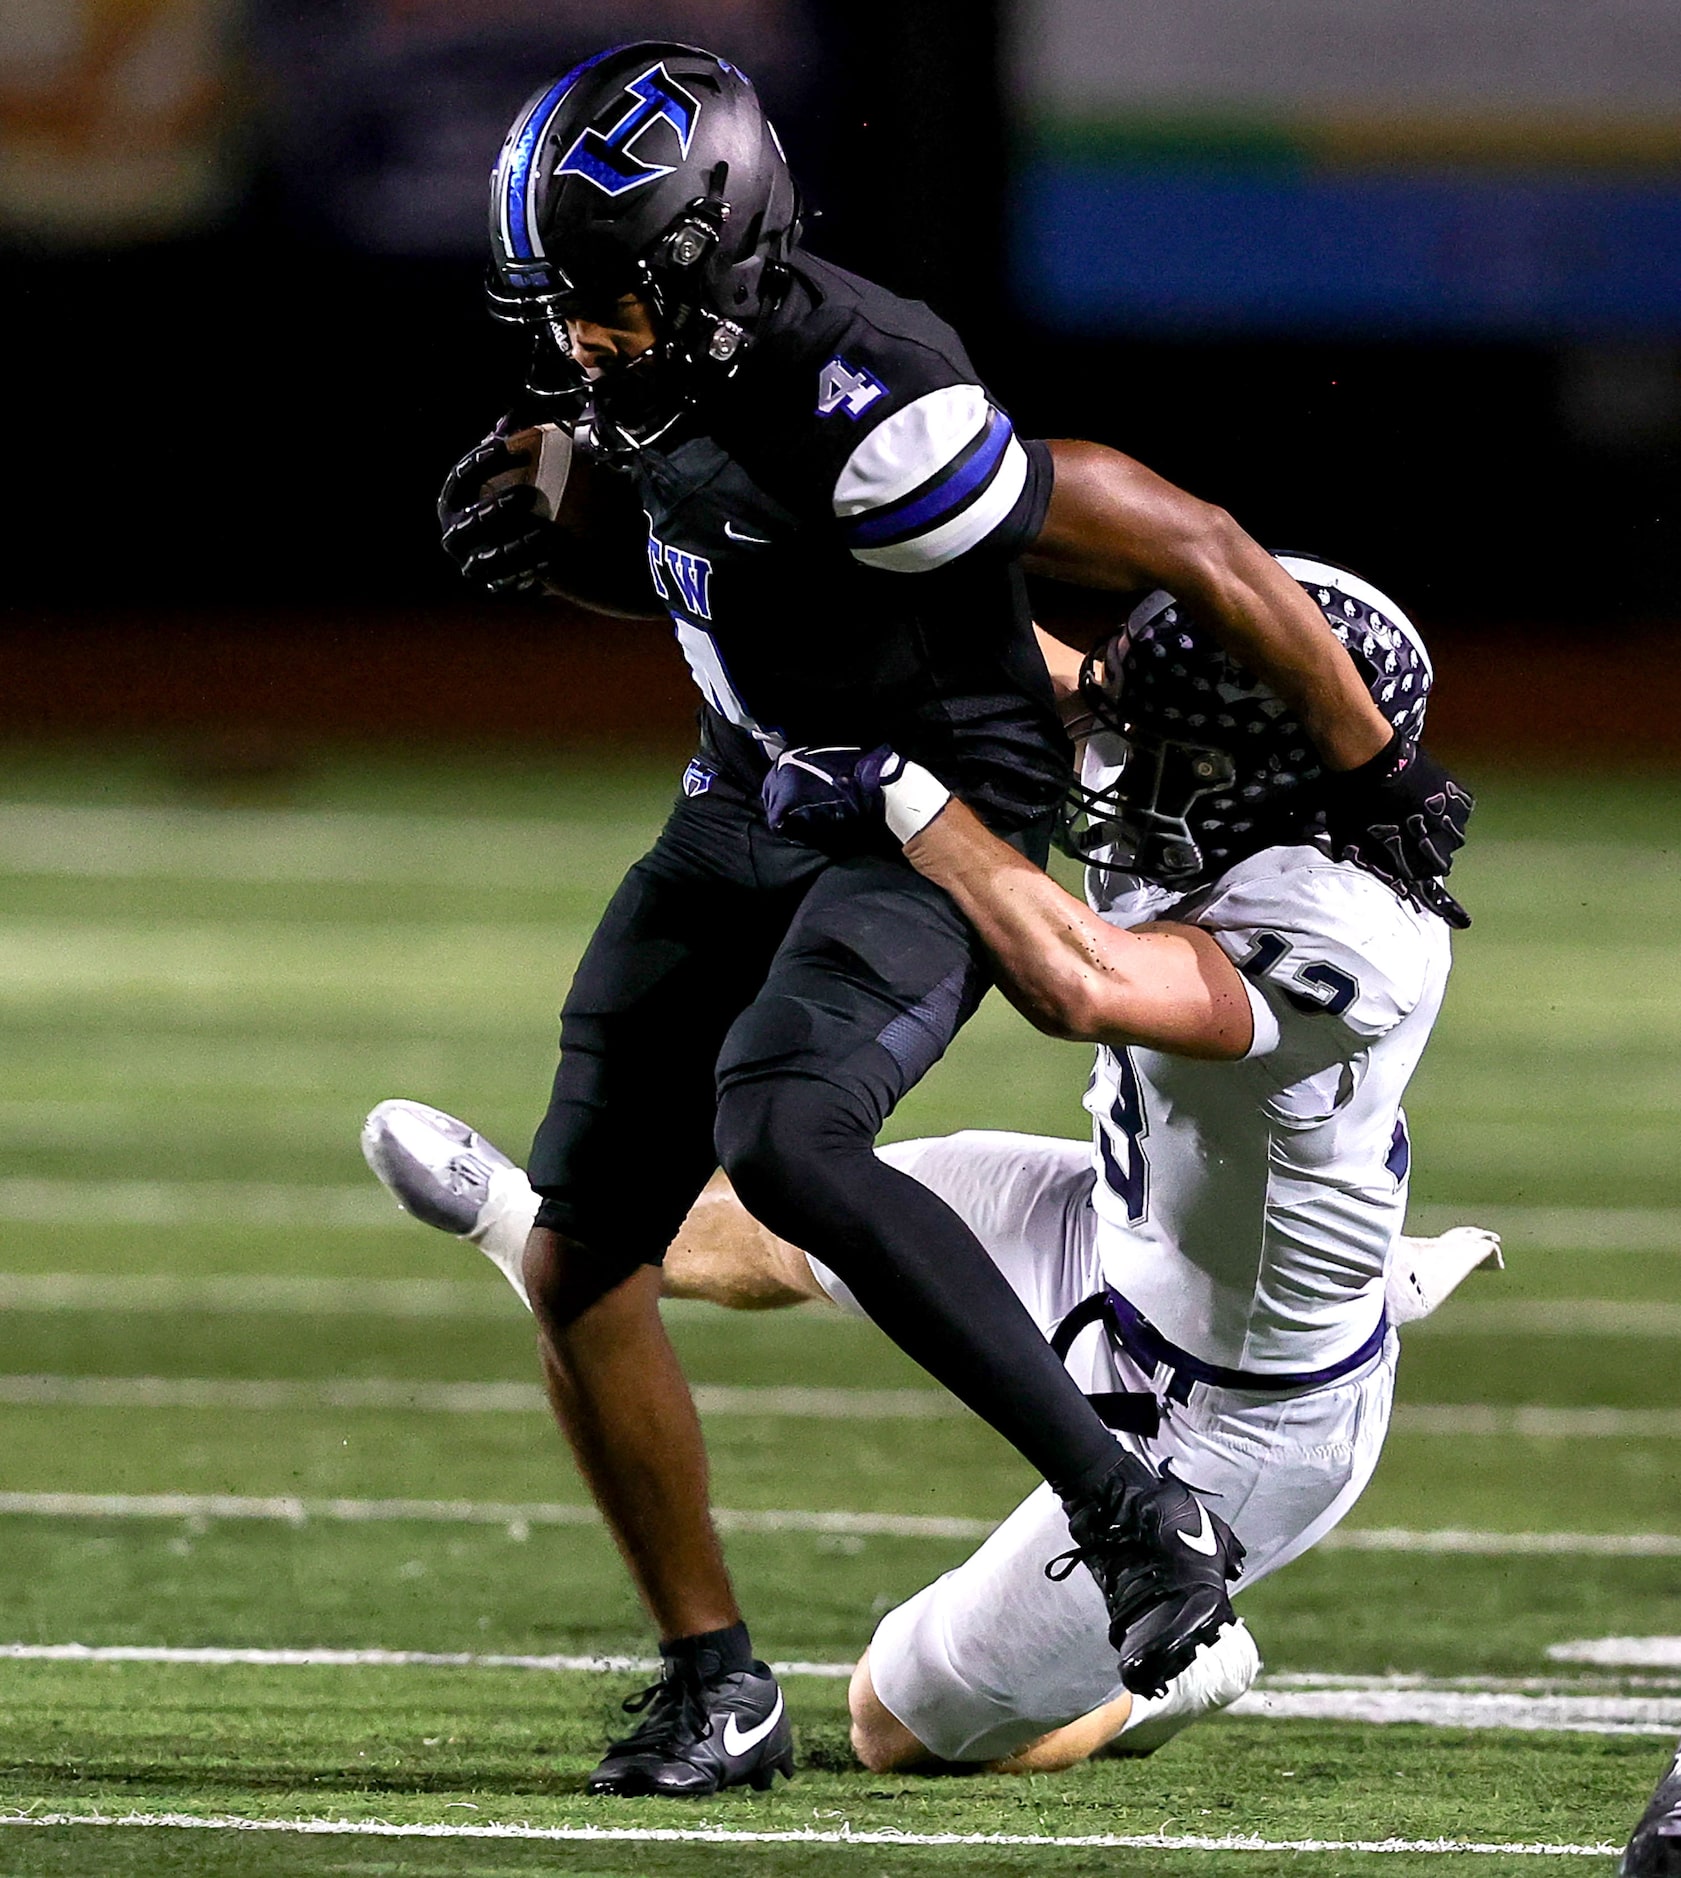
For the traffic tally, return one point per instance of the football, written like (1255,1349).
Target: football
(550,459)
(605,563)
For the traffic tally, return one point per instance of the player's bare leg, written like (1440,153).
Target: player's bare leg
(1127,1726)
(885,1745)
(724,1256)
(648,1472)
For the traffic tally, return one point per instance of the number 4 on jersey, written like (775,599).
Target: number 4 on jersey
(841,387)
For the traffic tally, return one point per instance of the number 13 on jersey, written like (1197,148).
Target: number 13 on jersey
(1120,1136)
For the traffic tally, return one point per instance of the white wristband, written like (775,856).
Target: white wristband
(911,799)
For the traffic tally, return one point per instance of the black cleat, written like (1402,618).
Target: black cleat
(1162,1561)
(697,1737)
(1655,1849)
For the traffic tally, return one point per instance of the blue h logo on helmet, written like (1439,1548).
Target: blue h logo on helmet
(605,158)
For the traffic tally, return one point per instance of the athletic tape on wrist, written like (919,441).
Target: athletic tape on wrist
(911,801)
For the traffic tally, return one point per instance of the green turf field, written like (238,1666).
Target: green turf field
(214,1324)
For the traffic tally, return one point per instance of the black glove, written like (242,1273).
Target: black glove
(498,540)
(1401,816)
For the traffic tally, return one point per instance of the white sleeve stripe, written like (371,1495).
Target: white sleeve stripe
(963,531)
(910,448)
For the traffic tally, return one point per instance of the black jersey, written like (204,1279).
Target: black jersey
(835,538)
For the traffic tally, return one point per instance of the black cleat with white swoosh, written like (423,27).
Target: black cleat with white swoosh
(1162,1562)
(696,1737)
(1655,1849)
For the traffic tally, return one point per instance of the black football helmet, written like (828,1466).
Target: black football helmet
(1192,762)
(649,169)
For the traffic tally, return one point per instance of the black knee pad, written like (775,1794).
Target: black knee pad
(785,1040)
(784,1142)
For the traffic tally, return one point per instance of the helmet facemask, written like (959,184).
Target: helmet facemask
(632,402)
(1132,809)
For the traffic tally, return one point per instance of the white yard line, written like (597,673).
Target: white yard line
(1484,1685)
(26,1202)
(284,847)
(817,1404)
(516,1516)
(1595,1705)
(1535,1422)
(806,1835)
(1621,1652)
(216,1657)
(1503,1544)
(1562,1228)
(526,1514)
(230,1293)
(1554,1317)
(446,1398)
(1458,1708)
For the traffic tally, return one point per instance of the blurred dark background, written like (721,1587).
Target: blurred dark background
(1398,282)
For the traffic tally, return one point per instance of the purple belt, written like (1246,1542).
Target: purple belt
(1151,1351)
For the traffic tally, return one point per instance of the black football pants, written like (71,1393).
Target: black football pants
(747,1001)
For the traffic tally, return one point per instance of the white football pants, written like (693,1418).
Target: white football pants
(994,1654)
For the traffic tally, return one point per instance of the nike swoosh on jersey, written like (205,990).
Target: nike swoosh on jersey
(739,1740)
(737,534)
(1203,1541)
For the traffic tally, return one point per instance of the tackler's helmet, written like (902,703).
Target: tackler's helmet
(1192,763)
(649,169)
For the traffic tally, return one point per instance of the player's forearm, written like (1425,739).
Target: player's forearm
(1269,624)
(1070,973)
(1040,936)
(1114,524)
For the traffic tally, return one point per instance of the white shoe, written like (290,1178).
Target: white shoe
(1425,1273)
(449,1176)
(1218,1674)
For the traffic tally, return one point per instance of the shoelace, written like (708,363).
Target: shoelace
(676,1716)
(1065,1563)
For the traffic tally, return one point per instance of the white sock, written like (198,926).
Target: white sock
(505,1224)
(1220,1672)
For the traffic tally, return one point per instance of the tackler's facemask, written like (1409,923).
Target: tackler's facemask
(1133,807)
(649,170)
(1191,762)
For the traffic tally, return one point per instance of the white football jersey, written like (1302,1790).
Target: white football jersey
(1247,1209)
